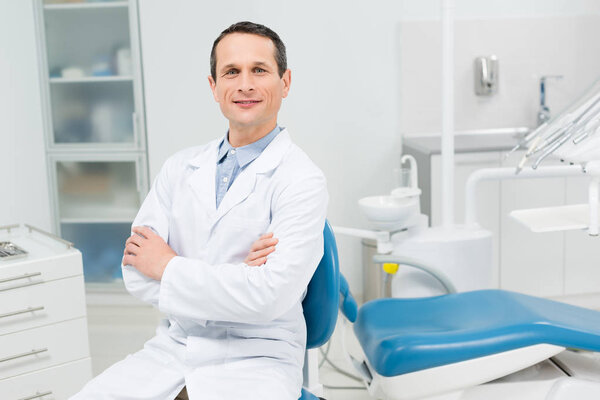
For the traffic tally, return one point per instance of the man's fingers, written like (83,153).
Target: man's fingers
(128,260)
(131,248)
(135,239)
(263,252)
(258,262)
(263,244)
(144,231)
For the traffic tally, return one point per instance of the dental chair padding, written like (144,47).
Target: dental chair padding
(400,336)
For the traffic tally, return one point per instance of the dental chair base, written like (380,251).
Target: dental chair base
(451,378)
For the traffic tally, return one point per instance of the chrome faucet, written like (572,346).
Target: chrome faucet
(543,114)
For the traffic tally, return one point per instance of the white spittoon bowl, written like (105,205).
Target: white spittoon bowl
(384,210)
(404,192)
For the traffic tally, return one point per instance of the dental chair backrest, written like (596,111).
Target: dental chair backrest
(322,297)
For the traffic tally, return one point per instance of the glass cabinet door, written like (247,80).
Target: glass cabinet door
(97,200)
(90,72)
(97,190)
(94,127)
(101,246)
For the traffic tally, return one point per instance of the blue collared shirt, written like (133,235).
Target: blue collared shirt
(231,161)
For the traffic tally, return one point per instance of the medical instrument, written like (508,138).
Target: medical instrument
(9,251)
(565,134)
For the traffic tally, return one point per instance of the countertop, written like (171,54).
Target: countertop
(468,141)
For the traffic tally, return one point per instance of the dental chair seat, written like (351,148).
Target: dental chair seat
(399,336)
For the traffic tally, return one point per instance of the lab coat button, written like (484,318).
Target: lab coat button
(225,179)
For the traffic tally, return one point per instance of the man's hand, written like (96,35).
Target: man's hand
(147,252)
(260,249)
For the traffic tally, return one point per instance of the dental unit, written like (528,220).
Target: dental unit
(441,331)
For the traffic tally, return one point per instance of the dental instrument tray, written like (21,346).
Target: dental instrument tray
(9,251)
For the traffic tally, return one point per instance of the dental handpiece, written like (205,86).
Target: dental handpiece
(590,126)
(528,138)
(551,150)
(571,128)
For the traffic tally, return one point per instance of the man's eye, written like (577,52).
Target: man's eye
(259,70)
(231,72)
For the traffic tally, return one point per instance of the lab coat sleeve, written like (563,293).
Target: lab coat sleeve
(154,213)
(192,288)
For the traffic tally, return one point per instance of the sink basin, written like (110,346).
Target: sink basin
(386,211)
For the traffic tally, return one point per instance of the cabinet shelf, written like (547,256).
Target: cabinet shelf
(87,79)
(83,6)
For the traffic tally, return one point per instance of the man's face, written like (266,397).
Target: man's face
(248,87)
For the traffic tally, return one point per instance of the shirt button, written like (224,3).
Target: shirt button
(225,179)
(232,151)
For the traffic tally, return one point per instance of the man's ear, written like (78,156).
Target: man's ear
(287,81)
(213,87)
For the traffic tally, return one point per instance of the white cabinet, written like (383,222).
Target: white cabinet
(94,119)
(543,264)
(43,325)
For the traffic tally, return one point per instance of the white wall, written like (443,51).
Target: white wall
(526,47)
(357,74)
(23,186)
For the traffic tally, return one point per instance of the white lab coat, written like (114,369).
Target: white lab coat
(233,331)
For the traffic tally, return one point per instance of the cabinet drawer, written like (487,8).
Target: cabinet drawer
(32,271)
(33,306)
(62,382)
(33,349)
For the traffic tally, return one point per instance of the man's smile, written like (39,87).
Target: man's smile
(246,103)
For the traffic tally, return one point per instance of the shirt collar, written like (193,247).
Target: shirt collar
(246,154)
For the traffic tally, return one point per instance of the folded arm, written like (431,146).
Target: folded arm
(154,213)
(237,292)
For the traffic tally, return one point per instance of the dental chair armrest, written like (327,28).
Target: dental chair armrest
(347,303)
(412,262)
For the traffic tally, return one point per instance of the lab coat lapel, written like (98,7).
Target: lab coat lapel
(202,180)
(245,183)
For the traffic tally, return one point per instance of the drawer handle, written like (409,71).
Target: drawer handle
(25,276)
(37,395)
(21,286)
(25,311)
(31,353)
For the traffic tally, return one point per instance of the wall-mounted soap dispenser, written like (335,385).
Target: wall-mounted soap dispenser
(486,75)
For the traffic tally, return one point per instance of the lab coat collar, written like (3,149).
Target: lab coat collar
(202,181)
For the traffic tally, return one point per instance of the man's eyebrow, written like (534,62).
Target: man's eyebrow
(228,66)
(256,64)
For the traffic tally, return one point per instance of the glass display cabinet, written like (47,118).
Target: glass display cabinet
(94,121)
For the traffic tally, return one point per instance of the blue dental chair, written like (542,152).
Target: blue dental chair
(421,347)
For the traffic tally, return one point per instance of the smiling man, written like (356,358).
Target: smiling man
(203,246)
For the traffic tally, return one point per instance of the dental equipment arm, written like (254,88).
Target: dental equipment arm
(574,124)
(412,262)
(486,174)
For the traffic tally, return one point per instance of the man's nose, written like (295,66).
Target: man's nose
(246,83)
